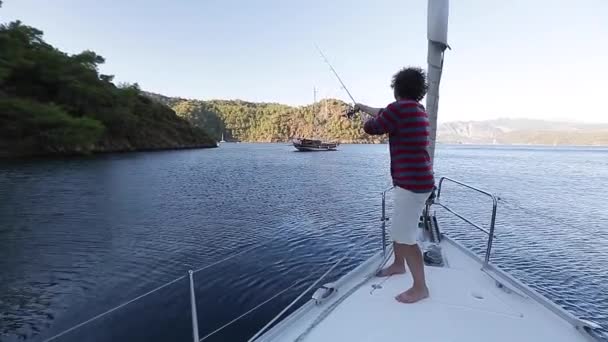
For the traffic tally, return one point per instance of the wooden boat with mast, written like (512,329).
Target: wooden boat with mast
(314,145)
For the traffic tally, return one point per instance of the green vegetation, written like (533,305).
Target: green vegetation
(52,102)
(270,122)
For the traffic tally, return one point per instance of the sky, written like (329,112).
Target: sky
(539,59)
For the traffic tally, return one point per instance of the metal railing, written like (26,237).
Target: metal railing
(434,200)
(192,295)
(193,307)
(503,278)
(490,231)
(189,275)
(383,218)
(357,248)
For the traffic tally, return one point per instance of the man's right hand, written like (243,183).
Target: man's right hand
(366,109)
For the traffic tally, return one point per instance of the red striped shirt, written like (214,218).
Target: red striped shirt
(407,125)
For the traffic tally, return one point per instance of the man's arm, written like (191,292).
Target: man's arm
(383,122)
(367,109)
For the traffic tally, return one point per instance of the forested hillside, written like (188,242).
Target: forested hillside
(270,122)
(55,103)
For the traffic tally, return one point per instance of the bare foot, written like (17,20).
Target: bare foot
(391,270)
(412,295)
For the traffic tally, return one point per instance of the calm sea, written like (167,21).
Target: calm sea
(80,236)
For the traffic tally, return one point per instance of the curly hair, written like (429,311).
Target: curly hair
(410,83)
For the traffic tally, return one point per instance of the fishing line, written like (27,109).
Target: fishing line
(336,74)
(351,111)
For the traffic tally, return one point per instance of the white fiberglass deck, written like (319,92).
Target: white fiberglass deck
(465,305)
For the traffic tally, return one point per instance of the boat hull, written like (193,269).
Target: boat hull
(314,146)
(316,149)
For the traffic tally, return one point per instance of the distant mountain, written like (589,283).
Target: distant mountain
(522,131)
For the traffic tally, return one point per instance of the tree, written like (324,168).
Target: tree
(89,59)
(269,122)
(53,102)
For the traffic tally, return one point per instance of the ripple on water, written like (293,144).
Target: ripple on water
(80,236)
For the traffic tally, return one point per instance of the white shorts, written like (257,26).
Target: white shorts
(408,206)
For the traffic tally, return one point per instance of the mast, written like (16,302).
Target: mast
(437,35)
(314,116)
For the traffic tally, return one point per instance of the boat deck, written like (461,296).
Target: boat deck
(465,305)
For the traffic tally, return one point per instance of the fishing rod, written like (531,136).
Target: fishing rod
(352,111)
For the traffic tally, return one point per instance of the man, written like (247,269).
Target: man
(407,125)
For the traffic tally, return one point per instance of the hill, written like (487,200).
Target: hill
(269,122)
(272,122)
(523,131)
(55,103)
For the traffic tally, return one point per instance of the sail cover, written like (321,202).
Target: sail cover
(437,35)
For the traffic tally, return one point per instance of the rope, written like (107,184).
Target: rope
(537,213)
(347,294)
(248,312)
(152,291)
(232,256)
(209,266)
(314,284)
(297,299)
(359,251)
(335,304)
(114,309)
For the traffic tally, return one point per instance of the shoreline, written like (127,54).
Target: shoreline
(438,144)
(94,152)
(125,150)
